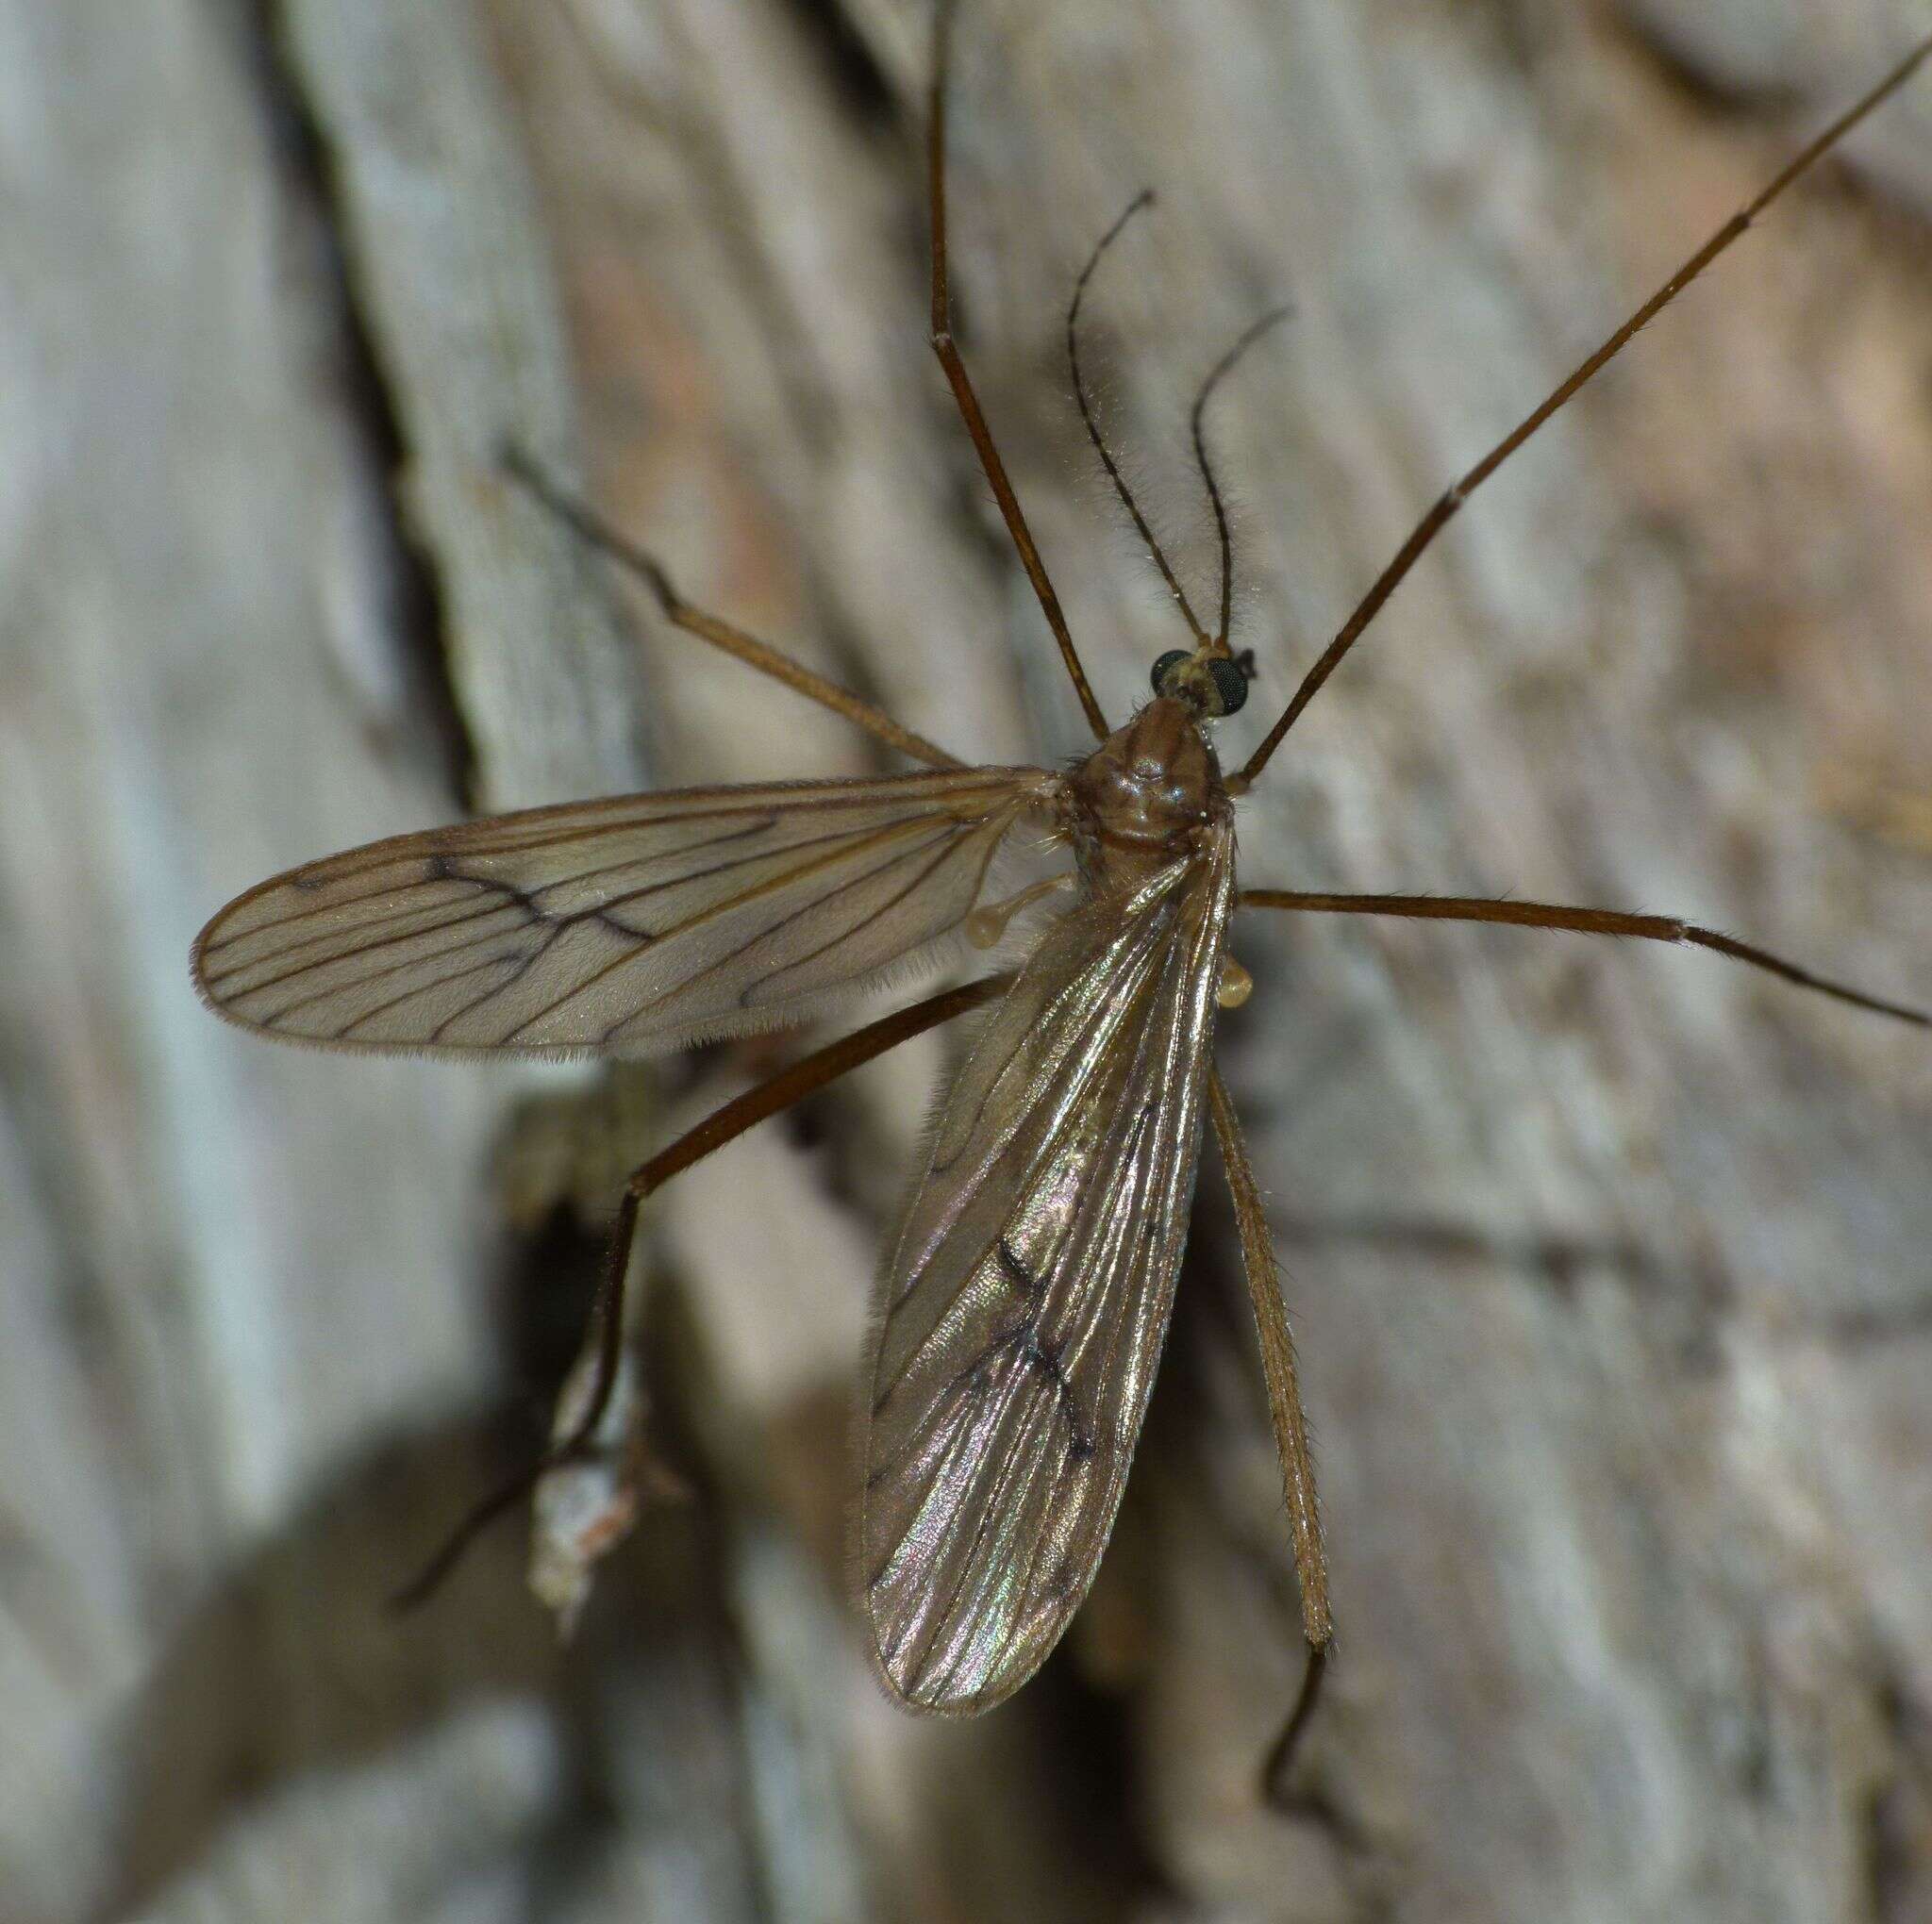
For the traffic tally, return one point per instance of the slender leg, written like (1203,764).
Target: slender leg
(1433,522)
(804,1076)
(1290,1429)
(734,641)
(961,383)
(1589,921)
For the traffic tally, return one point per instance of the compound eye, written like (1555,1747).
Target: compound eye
(1166,666)
(1230,684)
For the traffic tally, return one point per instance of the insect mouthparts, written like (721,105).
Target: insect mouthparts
(1212,685)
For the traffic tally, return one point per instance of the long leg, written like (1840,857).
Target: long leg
(1588,922)
(1291,1429)
(734,641)
(1438,517)
(804,1077)
(961,383)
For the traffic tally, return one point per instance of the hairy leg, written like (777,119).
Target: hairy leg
(804,1077)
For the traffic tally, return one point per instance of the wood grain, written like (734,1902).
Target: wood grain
(1607,1270)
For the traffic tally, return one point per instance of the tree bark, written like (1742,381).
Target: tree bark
(1607,1266)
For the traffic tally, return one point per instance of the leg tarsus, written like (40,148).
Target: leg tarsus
(1291,1425)
(721,635)
(1281,1752)
(725,1124)
(1588,922)
(607,1321)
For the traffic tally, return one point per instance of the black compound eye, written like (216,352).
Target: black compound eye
(1166,666)
(1230,684)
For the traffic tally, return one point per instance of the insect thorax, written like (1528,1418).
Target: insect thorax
(1145,797)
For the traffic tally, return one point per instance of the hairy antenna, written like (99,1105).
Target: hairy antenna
(1251,334)
(1143,199)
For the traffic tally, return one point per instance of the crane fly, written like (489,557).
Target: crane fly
(1024,1304)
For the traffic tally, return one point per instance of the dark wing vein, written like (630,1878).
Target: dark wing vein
(639,923)
(1029,1296)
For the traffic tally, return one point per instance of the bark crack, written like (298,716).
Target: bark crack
(303,160)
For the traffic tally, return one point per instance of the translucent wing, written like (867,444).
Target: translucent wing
(1026,1303)
(625,925)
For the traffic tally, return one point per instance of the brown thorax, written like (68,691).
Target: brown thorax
(1143,798)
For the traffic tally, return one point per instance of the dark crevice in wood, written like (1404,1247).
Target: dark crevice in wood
(1557,1260)
(544,1297)
(865,94)
(414,598)
(1897,1820)
(1697,84)
(1095,1745)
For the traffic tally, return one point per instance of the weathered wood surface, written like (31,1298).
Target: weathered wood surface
(1610,1270)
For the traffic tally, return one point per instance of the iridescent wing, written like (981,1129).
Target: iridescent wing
(622,926)
(1026,1305)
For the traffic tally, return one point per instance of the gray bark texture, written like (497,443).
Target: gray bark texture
(1610,1268)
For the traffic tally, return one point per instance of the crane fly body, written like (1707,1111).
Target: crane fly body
(1025,1304)
(1024,1300)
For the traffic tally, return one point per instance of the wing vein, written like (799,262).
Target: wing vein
(1027,1295)
(533,932)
